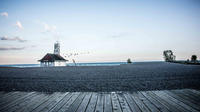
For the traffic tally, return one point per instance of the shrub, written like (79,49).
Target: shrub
(193,58)
(129,61)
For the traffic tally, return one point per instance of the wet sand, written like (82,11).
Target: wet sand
(130,77)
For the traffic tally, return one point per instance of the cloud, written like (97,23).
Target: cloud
(52,29)
(49,28)
(19,25)
(119,35)
(12,39)
(16,48)
(32,46)
(5,14)
(11,48)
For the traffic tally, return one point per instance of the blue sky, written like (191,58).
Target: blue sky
(99,31)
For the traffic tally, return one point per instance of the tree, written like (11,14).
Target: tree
(194,58)
(168,55)
(129,60)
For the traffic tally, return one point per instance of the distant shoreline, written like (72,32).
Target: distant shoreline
(95,64)
(186,62)
(7,67)
(77,64)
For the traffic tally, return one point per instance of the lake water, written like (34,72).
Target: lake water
(68,64)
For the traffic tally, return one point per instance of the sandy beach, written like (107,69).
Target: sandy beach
(130,77)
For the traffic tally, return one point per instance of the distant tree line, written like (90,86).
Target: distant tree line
(170,57)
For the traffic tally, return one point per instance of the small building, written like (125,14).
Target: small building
(54,59)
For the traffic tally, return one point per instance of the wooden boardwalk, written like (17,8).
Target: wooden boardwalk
(185,100)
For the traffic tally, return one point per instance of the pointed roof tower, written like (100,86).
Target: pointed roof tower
(57,48)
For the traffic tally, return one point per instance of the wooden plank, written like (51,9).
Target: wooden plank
(115,102)
(92,103)
(175,100)
(170,100)
(197,92)
(76,103)
(178,102)
(46,103)
(37,102)
(185,96)
(17,101)
(61,103)
(138,101)
(21,104)
(132,104)
(69,102)
(188,94)
(160,106)
(57,99)
(149,105)
(5,95)
(124,105)
(100,101)
(107,103)
(192,94)
(163,102)
(84,103)
(183,100)
(32,101)
(11,97)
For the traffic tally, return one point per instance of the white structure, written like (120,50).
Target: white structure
(57,48)
(53,59)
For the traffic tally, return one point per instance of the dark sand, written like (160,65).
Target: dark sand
(137,76)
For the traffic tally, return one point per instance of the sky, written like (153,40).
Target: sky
(98,30)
